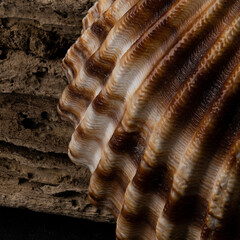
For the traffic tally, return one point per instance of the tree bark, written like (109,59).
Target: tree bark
(35,171)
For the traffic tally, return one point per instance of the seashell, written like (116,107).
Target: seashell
(154,97)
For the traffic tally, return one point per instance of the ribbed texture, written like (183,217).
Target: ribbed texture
(154,96)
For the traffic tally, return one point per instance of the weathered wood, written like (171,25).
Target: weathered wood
(35,171)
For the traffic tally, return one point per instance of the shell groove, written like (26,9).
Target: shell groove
(154,97)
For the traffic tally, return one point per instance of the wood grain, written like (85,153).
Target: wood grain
(35,171)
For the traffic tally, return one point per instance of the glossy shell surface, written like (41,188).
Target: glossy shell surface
(154,97)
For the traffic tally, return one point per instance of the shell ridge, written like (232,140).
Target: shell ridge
(95,12)
(222,195)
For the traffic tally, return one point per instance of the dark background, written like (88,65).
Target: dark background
(23,224)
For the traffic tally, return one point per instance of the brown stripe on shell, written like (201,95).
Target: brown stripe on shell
(221,217)
(100,30)
(79,103)
(66,114)
(95,12)
(112,196)
(69,69)
(81,51)
(98,68)
(115,171)
(92,15)
(102,105)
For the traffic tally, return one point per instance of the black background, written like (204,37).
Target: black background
(25,225)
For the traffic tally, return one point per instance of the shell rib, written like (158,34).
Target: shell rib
(154,97)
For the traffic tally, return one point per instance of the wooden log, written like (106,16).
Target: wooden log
(35,171)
